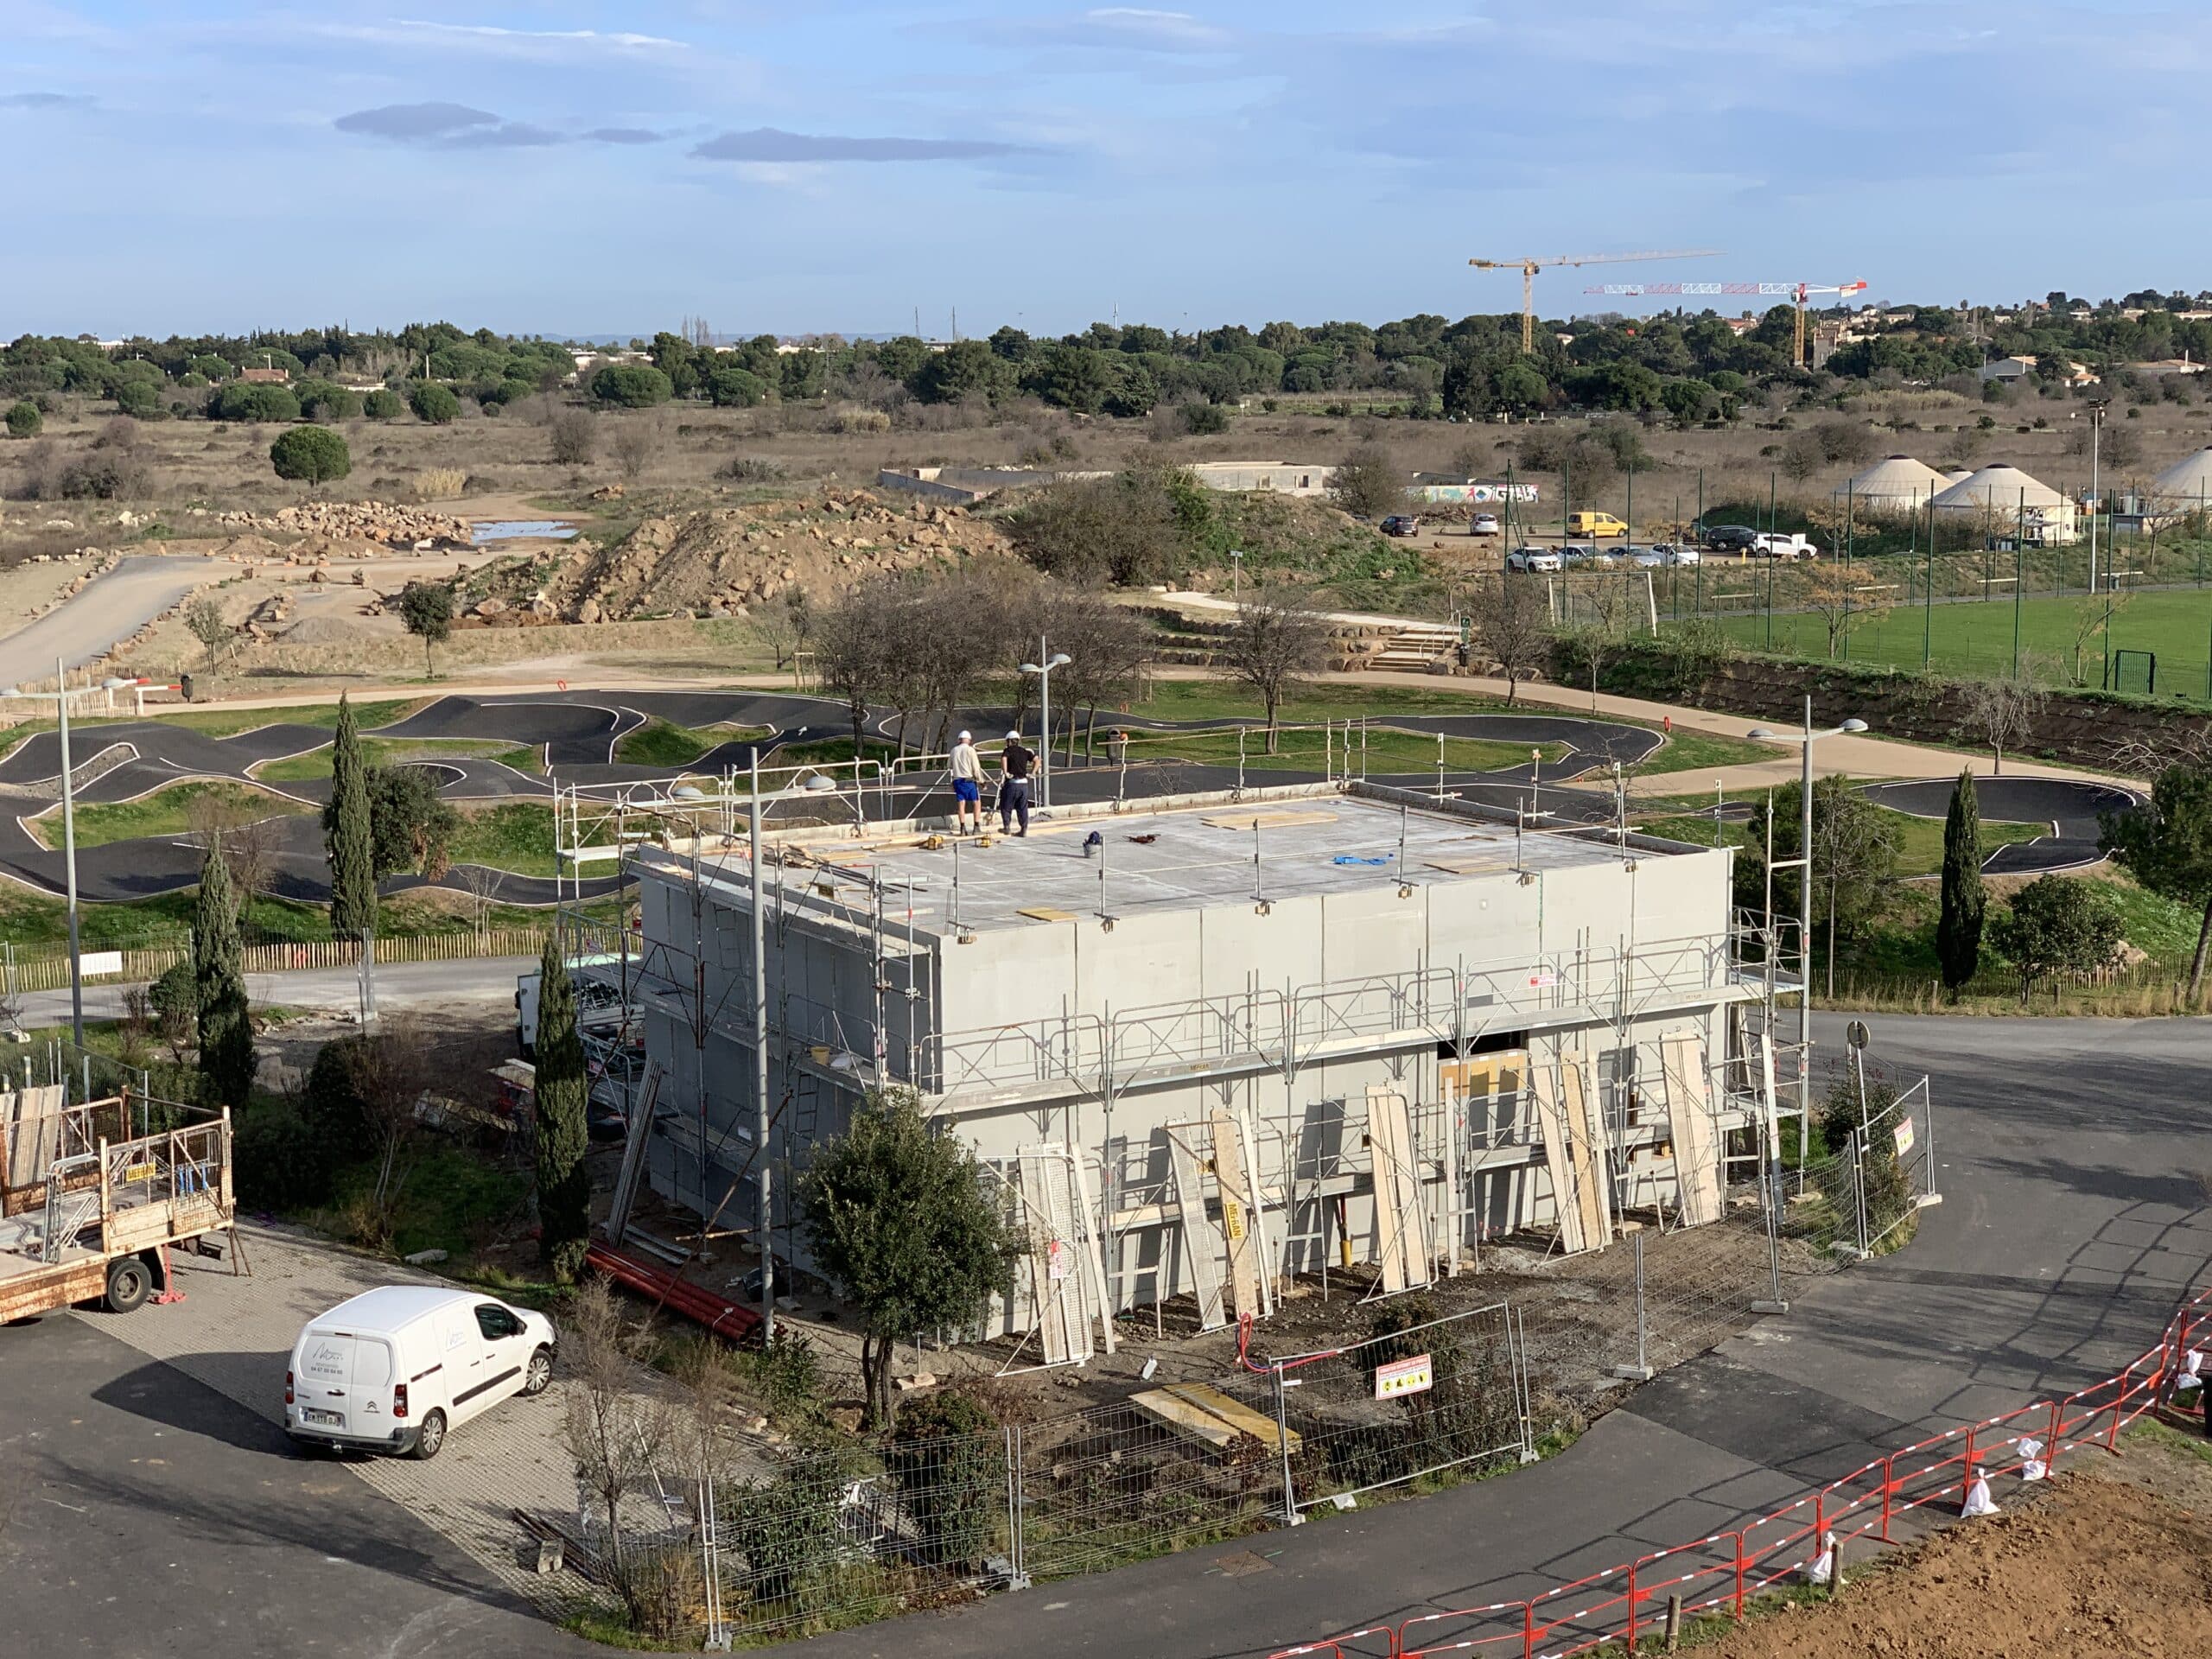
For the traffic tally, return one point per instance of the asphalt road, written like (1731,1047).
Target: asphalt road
(400,985)
(110,608)
(2075,1216)
(143,1514)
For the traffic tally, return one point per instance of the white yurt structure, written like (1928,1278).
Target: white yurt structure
(2185,486)
(2007,500)
(1893,486)
(1957,475)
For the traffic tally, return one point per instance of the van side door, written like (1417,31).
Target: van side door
(505,1345)
(460,1355)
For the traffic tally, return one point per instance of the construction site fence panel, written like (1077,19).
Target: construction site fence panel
(1796,1542)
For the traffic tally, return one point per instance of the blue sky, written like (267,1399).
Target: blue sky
(572,167)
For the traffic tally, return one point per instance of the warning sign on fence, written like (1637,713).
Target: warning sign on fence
(1902,1135)
(1415,1375)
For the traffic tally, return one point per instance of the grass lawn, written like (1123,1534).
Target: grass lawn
(515,836)
(1920,841)
(1307,750)
(1685,751)
(392,751)
(661,743)
(1975,638)
(165,812)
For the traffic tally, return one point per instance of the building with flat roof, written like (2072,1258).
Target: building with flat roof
(1207,1043)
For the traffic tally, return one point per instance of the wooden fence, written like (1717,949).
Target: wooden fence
(49,971)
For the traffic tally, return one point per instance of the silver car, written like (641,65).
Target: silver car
(1541,560)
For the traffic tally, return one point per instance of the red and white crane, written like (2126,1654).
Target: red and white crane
(1794,292)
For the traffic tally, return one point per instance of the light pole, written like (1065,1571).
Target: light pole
(1803,864)
(1235,577)
(68,846)
(2097,407)
(1044,673)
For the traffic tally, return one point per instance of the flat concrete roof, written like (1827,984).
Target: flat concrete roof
(1191,857)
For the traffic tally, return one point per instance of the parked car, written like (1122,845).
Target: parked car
(1729,538)
(1774,544)
(1599,526)
(1678,553)
(1581,553)
(1401,524)
(397,1369)
(1660,554)
(1485,523)
(1646,558)
(1542,560)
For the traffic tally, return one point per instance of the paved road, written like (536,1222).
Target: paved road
(400,985)
(110,608)
(143,1514)
(2069,808)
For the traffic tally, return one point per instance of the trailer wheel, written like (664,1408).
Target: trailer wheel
(130,1282)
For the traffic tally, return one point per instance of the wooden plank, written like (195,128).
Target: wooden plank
(1402,1245)
(1202,1252)
(1559,1161)
(1238,1221)
(1273,818)
(1205,1412)
(1047,914)
(1467,866)
(1691,1128)
(1583,1107)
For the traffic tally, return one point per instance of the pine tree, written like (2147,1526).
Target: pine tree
(347,833)
(226,1059)
(563,1185)
(1958,929)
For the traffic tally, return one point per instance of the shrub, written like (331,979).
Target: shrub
(633,385)
(141,399)
(786,1370)
(240,400)
(574,433)
(310,454)
(751,469)
(326,400)
(433,403)
(24,421)
(381,404)
(948,1462)
(440,483)
(730,388)
(1203,420)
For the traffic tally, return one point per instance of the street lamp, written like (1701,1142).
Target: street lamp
(1803,863)
(1235,575)
(69,845)
(1044,673)
(2097,408)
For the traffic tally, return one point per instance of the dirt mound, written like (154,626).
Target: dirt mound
(248,546)
(718,560)
(328,631)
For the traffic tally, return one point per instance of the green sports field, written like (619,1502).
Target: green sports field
(2061,641)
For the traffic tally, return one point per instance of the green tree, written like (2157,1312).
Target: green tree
(381,404)
(1958,927)
(1687,400)
(410,827)
(1520,388)
(633,385)
(347,832)
(735,388)
(426,608)
(141,399)
(2057,924)
(1367,483)
(227,1062)
(433,403)
(310,454)
(563,1184)
(23,420)
(1854,860)
(253,400)
(2166,844)
(900,1223)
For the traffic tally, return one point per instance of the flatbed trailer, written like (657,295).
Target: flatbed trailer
(92,1195)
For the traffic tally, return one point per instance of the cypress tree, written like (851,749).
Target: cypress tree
(1958,928)
(227,1062)
(563,1186)
(347,833)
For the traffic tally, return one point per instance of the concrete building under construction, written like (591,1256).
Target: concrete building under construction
(1208,1043)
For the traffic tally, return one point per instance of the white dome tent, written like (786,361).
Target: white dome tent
(2187,484)
(2007,499)
(1894,485)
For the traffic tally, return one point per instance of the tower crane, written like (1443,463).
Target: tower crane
(1794,292)
(1529,268)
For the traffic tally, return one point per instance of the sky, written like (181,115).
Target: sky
(816,165)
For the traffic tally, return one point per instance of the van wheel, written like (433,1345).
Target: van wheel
(430,1437)
(539,1377)
(128,1285)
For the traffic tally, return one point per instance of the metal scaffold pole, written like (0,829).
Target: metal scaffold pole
(760,1067)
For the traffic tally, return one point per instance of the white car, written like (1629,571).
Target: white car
(1775,544)
(397,1369)
(1660,554)
(1485,523)
(1541,560)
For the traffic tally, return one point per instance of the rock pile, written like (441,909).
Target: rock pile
(363,521)
(720,561)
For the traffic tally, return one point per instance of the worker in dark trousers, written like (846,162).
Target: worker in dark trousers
(1014,765)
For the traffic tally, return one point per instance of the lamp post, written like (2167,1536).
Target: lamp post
(68,847)
(1803,864)
(1235,575)
(2097,408)
(1044,673)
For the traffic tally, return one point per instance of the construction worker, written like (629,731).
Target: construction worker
(967,769)
(1015,763)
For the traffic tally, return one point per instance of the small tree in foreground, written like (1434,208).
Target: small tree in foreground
(203,620)
(1999,713)
(1274,644)
(616,1432)
(899,1224)
(1964,904)
(310,454)
(563,1185)
(2057,924)
(426,608)
(23,420)
(1513,620)
(226,1057)
(2166,844)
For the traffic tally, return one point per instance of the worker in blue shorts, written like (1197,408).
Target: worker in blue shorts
(967,770)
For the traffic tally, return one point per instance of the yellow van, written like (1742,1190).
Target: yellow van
(1595,525)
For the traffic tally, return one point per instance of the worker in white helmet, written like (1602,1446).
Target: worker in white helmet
(967,783)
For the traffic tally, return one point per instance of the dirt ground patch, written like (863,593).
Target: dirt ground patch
(2107,1560)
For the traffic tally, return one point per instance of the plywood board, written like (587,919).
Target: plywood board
(1567,1162)
(1240,1218)
(1047,914)
(1690,1126)
(1403,1253)
(1061,1279)
(1202,1241)
(1275,818)
(1584,1111)
(1205,1412)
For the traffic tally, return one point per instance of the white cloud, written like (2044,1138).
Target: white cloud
(623,42)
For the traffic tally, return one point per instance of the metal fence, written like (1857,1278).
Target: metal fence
(143,961)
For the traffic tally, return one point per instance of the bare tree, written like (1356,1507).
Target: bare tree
(389,1070)
(1844,601)
(1513,618)
(616,1433)
(1367,483)
(481,883)
(246,839)
(2001,713)
(1608,604)
(640,441)
(785,623)
(574,433)
(1108,648)
(2093,617)
(851,660)
(1274,645)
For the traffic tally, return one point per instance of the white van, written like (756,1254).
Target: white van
(397,1369)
